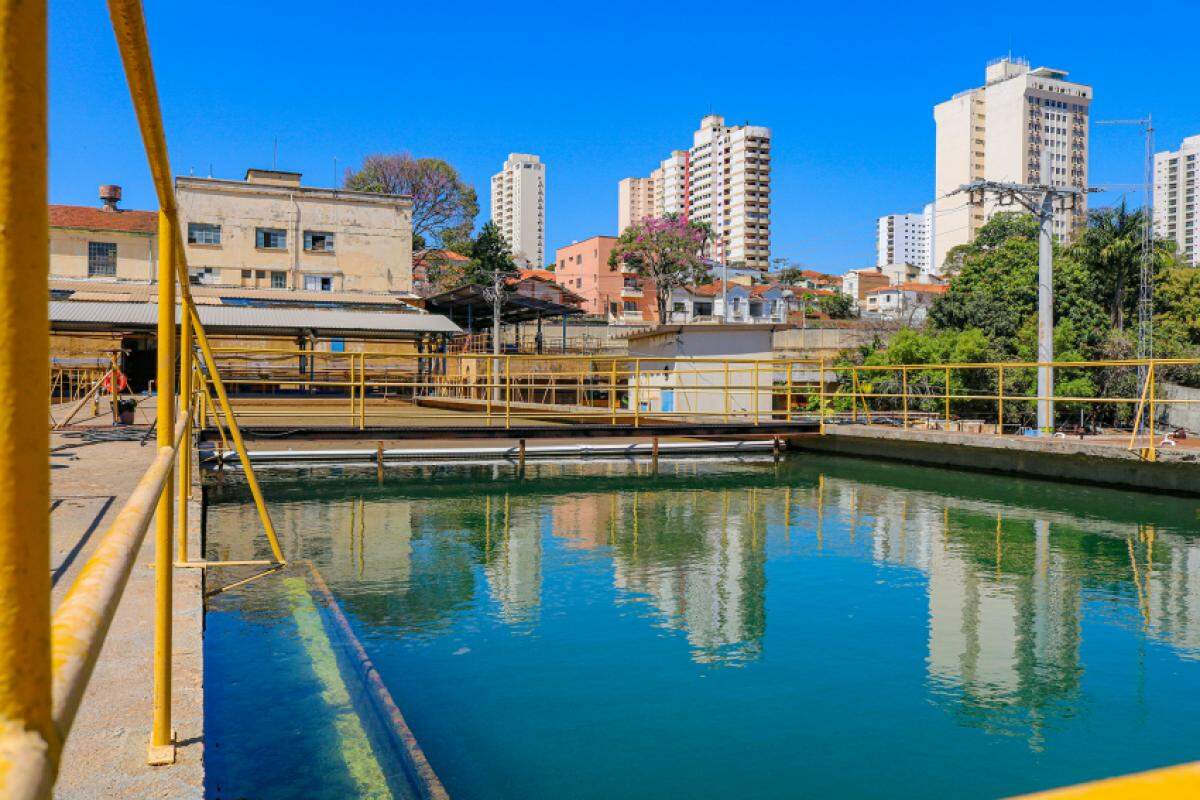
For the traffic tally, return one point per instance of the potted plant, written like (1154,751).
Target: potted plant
(125,410)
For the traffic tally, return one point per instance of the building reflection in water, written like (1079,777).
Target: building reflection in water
(1006,584)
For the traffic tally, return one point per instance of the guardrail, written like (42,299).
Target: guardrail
(46,661)
(374,388)
(1002,396)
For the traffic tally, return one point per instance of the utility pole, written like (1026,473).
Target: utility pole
(1040,200)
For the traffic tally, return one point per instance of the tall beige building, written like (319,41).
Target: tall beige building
(1176,197)
(635,201)
(519,207)
(999,132)
(724,179)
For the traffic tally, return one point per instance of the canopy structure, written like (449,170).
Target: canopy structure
(67,315)
(526,300)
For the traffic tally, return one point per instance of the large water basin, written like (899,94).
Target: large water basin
(703,629)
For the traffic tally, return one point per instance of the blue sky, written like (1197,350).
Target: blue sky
(601,92)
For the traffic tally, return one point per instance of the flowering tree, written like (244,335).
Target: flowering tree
(667,251)
(443,205)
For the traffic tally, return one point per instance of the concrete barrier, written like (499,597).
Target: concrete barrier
(1061,460)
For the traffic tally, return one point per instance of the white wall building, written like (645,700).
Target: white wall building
(1177,197)
(999,132)
(902,239)
(519,207)
(746,304)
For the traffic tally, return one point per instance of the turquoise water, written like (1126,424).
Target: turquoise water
(814,628)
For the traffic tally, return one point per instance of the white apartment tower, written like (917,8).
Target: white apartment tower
(998,132)
(724,179)
(1177,198)
(903,239)
(519,207)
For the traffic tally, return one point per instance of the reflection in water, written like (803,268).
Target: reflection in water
(1009,581)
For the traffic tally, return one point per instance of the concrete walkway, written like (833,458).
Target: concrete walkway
(105,756)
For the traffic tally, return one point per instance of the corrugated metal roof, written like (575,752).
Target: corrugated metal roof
(217,318)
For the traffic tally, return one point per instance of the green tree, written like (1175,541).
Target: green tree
(667,251)
(443,205)
(836,306)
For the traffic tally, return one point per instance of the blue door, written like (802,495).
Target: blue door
(668,400)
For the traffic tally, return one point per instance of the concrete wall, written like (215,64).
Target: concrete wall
(372,234)
(137,253)
(1180,415)
(1056,460)
(816,342)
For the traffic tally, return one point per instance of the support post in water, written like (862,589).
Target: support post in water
(379,460)
(162,738)
(654,453)
(521,454)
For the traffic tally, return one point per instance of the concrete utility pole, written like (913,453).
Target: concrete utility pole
(1039,200)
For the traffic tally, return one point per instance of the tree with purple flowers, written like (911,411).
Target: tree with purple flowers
(666,251)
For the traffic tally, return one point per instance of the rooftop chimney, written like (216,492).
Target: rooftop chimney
(110,195)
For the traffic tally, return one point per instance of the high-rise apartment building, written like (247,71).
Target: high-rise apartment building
(903,239)
(1177,198)
(1000,131)
(519,207)
(635,201)
(724,179)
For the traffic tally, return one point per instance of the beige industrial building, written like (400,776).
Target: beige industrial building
(999,132)
(269,231)
(1176,197)
(723,180)
(105,243)
(519,207)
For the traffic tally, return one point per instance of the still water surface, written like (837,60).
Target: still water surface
(802,629)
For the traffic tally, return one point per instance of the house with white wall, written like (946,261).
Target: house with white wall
(757,304)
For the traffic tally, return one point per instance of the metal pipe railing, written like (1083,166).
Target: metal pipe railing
(29,743)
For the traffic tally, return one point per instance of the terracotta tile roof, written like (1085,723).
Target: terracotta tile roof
(714,288)
(927,288)
(542,274)
(94,219)
(422,256)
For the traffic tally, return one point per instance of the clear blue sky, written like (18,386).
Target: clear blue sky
(602,91)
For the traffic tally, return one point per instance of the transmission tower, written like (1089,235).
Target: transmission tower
(1145,340)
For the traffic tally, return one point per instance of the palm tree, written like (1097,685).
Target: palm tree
(1111,247)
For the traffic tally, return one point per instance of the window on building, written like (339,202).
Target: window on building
(260,274)
(102,260)
(612,308)
(678,307)
(318,242)
(630,305)
(318,283)
(247,274)
(203,233)
(278,280)
(270,238)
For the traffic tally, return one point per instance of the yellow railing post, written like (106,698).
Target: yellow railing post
(353,381)
(757,391)
(1153,453)
(904,393)
(184,464)
(362,391)
(947,395)
(637,395)
(162,744)
(821,396)
(507,391)
(113,383)
(29,746)
(725,391)
(788,403)
(1000,397)
(612,390)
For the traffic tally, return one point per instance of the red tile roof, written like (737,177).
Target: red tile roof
(928,288)
(714,288)
(422,256)
(543,274)
(94,219)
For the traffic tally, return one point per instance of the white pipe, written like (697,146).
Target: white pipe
(503,452)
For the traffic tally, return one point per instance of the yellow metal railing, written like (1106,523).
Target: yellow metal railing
(46,661)
(992,398)
(379,388)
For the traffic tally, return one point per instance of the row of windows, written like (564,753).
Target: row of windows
(264,238)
